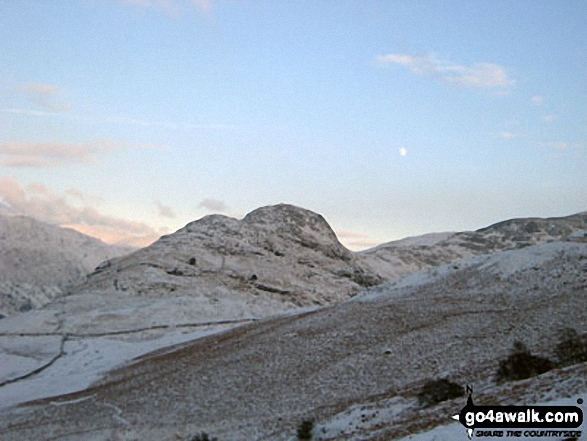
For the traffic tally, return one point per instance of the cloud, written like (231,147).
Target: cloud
(509,135)
(478,75)
(123,120)
(164,210)
(44,154)
(403,151)
(111,236)
(549,118)
(358,245)
(169,125)
(82,197)
(45,96)
(213,205)
(38,201)
(28,112)
(537,100)
(346,234)
(55,154)
(355,240)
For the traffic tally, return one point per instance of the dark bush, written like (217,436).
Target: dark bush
(572,348)
(436,391)
(521,364)
(26,306)
(202,437)
(305,430)
(532,227)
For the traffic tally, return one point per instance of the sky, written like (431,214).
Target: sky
(127,119)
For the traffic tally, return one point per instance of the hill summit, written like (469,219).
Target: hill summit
(279,252)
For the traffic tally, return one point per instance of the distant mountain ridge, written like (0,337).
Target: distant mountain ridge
(410,255)
(292,255)
(39,261)
(276,258)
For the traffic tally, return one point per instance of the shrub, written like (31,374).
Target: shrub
(521,364)
(572,348)
(305,430)
(436,391)
(202,437)
(26,306)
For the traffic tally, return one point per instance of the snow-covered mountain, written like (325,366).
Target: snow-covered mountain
(282,253)
(263,347)
(356,368)
(291,256)
(410,255)
(39,261)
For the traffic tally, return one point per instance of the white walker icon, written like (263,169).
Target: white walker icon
(469,431)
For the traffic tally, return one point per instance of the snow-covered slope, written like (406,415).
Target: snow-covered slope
(281,253)
(414,254)
(288,256)
(38,261)
(354,368)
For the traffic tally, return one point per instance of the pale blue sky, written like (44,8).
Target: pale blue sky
(390,118)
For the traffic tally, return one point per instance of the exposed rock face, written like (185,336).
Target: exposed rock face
(283,252)
(39,262)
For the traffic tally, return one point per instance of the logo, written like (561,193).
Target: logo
(518,421)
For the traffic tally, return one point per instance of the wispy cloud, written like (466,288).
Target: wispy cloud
(28,112)
(537,100)
(549,118)
(45,96)
(123,120)
(164,210)
(355,240)
(55,154)
(167,125)
(38,201)
(83,197)
(213,205)
(509,135)
(478,75)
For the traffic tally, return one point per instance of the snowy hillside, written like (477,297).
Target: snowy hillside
(356,368)
(39,262)
(280,253)
(410,255)
(288,256)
